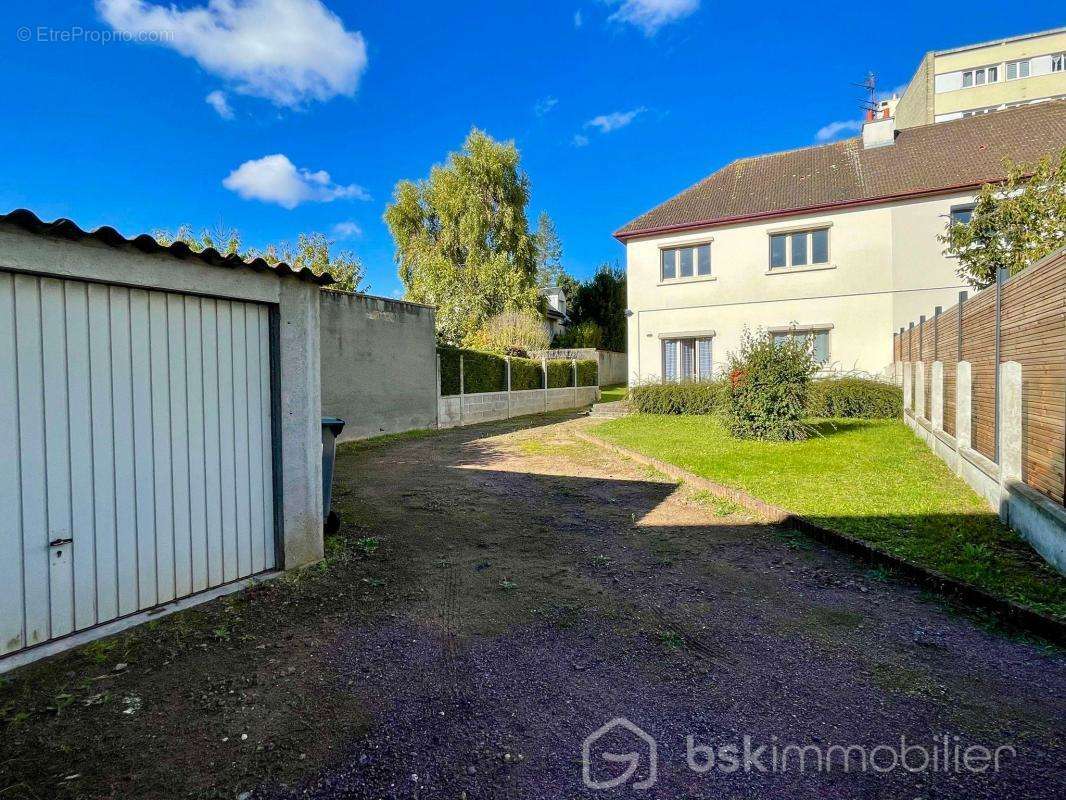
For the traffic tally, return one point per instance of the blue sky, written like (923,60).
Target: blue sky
(282,116)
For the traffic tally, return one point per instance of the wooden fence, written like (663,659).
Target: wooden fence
(1021,319)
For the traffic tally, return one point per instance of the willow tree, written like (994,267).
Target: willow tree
(462,238)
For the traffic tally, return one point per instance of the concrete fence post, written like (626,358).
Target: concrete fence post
(507,361)
(1010,422)
(908,394)
(438,389)
(544,371)
(963,405)
(461,390)
(937,396)
(919,390)
(573,372)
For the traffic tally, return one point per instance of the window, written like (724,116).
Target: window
(685,262)
(687,359)
(819,336)
(1058,62)
(1017,69)
(799,249)
(980,76)
(960,215)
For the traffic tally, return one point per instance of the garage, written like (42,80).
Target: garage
(143,425)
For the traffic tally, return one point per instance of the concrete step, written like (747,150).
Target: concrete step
(613,410)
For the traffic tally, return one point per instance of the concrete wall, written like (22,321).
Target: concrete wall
(916,105)
(884,263)
(470,409)
(379,364)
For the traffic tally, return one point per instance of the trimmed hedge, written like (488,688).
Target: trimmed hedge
(560,374)
(526,374)
(690,397)
(588,372)
(855,398)
(449,370)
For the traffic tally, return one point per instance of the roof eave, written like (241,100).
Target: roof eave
(623,235)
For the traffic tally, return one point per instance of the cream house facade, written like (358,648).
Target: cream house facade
(979,78)
(838,242)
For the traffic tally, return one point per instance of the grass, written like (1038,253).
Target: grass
(873,480)
(609,394)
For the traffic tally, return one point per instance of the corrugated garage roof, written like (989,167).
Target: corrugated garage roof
(67,229)
(923,160)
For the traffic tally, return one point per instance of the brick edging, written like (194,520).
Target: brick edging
(1009,611)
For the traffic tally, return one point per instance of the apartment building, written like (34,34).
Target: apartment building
(837,241)
(979,78)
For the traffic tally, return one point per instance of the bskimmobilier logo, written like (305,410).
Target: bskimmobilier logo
(646,746)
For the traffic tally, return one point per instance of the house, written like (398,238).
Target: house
(979,78)
(837,241)
(555,316)
(159,424)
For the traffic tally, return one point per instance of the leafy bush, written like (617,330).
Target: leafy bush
(560,374)
(482,372)
(526,373)
(584,334)
(510,332)
(588,372)
(765,394)
(854,397)
(691,397)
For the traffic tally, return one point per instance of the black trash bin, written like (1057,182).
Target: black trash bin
(331,429)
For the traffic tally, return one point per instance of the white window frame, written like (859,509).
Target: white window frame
(984,80)
(1017,69)
(695,339)
(788,234)
(1058,62)
(807,330)
(694,247)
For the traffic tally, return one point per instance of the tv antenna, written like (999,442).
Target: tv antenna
(870,85)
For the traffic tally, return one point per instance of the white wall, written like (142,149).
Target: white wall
(885,264)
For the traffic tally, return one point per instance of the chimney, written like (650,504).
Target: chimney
(879,129)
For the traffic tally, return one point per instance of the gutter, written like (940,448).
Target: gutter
(623,236)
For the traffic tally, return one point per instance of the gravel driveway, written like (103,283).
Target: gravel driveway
(516,589)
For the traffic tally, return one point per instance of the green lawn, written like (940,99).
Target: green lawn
(611,393)
(873,480)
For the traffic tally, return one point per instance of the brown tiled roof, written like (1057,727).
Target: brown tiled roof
(924,160)
(66,229)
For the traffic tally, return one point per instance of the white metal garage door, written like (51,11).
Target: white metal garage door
(135,451)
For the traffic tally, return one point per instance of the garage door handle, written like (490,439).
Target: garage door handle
(59,542)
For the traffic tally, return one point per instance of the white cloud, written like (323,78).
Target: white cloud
(580,140)
(545,105)
(275,179)
(615,120)
(578,19)
(287,51)
(834,129)
(650,15)
(347,230)
(217,100)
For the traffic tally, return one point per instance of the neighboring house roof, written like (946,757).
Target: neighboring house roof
(66,229)
(928,159)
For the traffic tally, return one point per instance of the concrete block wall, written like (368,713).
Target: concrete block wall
(1038,519)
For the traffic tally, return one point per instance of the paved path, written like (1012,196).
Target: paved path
(546,587)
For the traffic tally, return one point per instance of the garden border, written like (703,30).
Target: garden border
(1008,611)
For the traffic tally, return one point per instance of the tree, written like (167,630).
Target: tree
(463,242)
(602,299)
(1013,223)
(512,333)
(312,250)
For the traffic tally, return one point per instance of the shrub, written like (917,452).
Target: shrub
(588,372)
(765,394)
(694,397)
(854,397)
(560,374)
(512,331)
(482,372)
(526,374)
(584,334)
